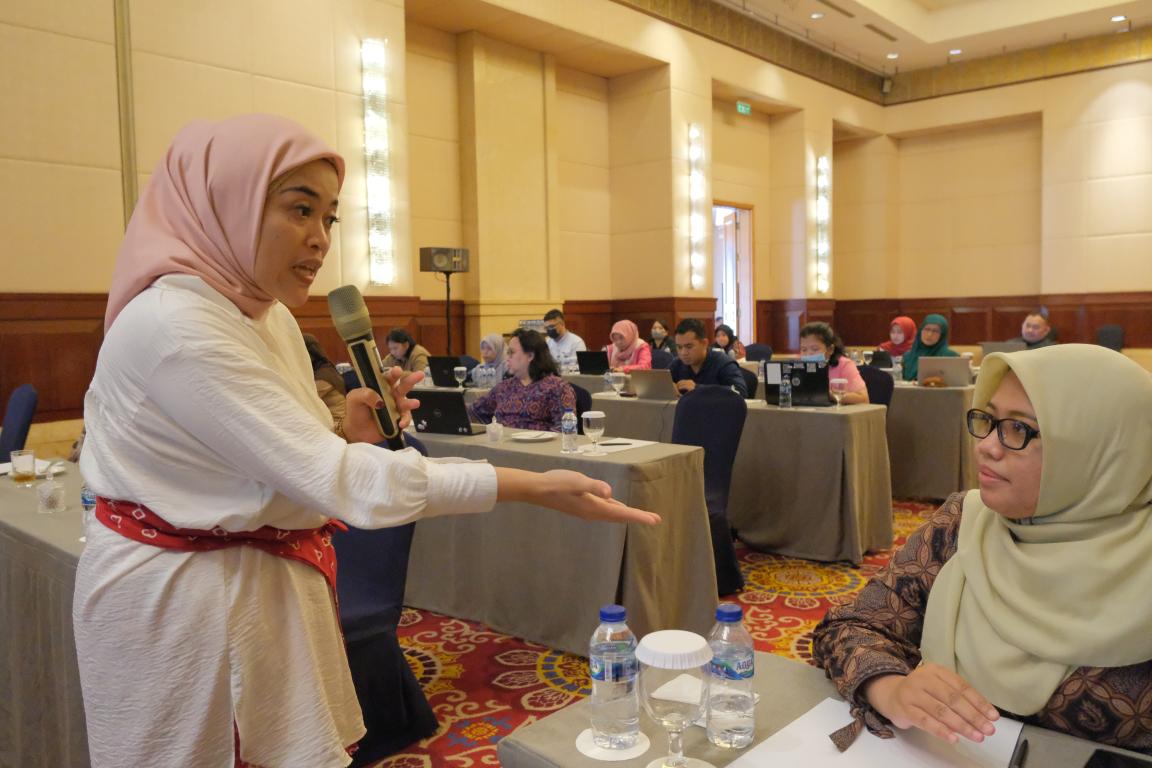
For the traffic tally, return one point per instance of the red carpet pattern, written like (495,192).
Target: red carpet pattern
(483,685)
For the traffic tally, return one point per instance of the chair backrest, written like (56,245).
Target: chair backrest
(1111,336)
(758,352)
(17,420)
(750,383)
(881,358)
(468,361)
(880,385)
(411,441)
(583,403)
(350,380)
(662,358)
(713,418)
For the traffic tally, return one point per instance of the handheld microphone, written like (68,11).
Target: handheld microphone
(350,316)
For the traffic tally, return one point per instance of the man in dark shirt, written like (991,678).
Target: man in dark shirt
(697,365)
(1036,332)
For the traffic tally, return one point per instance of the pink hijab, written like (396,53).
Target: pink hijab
(201,212)
(631,334)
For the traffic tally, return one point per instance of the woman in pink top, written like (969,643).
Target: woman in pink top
(819,343)
(628,352)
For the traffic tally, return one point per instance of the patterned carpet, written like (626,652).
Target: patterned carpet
(483,685)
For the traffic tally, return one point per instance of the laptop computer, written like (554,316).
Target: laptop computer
(988,347)
(442,413)
(592,363)
(441,367)
(954,370)
(656,384)
(809,383)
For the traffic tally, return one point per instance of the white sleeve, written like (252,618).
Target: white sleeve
(243,412)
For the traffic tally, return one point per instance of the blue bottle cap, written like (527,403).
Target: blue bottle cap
(729,612)
(613,614)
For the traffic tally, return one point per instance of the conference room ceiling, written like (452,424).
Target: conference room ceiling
(924,32)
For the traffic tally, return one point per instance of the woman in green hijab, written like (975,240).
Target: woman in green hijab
(931,341)
(1028,596)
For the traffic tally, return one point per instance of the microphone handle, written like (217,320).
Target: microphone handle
(366,363)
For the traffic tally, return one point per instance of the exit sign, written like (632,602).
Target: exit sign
(743,107)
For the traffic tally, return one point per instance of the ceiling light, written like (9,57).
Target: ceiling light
(1119,18)
(893,55)
(955,51)
(816,16)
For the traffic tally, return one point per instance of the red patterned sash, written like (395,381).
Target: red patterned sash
(311,546)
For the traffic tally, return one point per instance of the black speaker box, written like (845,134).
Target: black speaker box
(443,259)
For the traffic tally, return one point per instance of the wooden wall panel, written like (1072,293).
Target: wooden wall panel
(778,322)
(592,320)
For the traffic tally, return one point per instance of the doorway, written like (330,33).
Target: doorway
(732,264)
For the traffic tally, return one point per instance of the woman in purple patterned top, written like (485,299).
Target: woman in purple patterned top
(533,396)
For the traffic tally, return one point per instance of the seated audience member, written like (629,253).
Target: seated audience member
(329,383)
(725,339)
(492,357)
(628,352)
(533,396)
(901,334)
(820,344)
(1036,332)
(403,351)
(659,338)
(562,343)
(1026,597)
(932,341)
(697,364)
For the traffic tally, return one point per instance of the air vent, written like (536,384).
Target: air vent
(880,32)
(837,8)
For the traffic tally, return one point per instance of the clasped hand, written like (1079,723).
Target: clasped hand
(360,424)
(933,699)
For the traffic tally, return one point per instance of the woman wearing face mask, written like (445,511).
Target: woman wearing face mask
(901,334)
(932,341)
(628,352)
(725,339)
(659,338)
(820,344)
(1029,596)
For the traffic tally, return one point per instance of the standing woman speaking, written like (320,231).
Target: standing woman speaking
(205,625)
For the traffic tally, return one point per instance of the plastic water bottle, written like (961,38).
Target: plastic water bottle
(730,718)
(568,431)
(87,498)
(612,667)
(785,387)
(897,370)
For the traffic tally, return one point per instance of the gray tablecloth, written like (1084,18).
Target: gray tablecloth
(550,742)
(808,482)
(41,709)
(929,443)
(543,576)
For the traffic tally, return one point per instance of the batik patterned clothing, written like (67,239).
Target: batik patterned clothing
(538,405)
(879,633)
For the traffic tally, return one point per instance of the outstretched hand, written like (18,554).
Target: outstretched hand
(934,699)
(569,492)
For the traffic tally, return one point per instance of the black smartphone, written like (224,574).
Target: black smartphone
(1102,758)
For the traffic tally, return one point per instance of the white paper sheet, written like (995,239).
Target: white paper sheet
(804,743)
(772,374)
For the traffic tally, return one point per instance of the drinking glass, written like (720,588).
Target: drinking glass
(839,388)
(23,468)
(594,429)
(460,373)
(50,497)
(673,688)
(867,357)
(618,381)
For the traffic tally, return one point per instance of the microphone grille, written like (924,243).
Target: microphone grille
(349,312)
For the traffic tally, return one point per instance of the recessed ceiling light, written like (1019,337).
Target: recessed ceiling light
(893,55)
(955,51)
(816,16)
(1119,18)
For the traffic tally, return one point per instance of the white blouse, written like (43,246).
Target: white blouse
(210,418)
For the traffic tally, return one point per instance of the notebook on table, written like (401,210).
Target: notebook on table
(592,363)
(441,367)
(809,383)
(955,371)
(656,384)
(442,413)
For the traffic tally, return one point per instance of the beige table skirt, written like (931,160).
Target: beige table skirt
(928,441)
(808,482)
(542,576)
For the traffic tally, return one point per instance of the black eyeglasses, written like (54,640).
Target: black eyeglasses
(1012,433)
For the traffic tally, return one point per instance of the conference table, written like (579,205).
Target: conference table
(41,709)
(787,690)
(807,482)
(930,448)
(542,575)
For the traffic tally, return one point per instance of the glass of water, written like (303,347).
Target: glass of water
(460,373)
(673,688)
(839,388)
(594,429)
(618,381)
(867,357)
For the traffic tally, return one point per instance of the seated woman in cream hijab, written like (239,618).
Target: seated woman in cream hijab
(1029,596)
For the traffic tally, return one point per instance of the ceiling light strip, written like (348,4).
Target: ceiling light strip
(697,228)
(377,162)
(823,225)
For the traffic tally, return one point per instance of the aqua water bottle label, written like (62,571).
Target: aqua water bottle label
(616,672)
(734,669)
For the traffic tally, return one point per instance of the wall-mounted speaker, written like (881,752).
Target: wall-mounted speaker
(443,259)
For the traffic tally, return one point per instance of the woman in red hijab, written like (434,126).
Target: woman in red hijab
(901,334)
